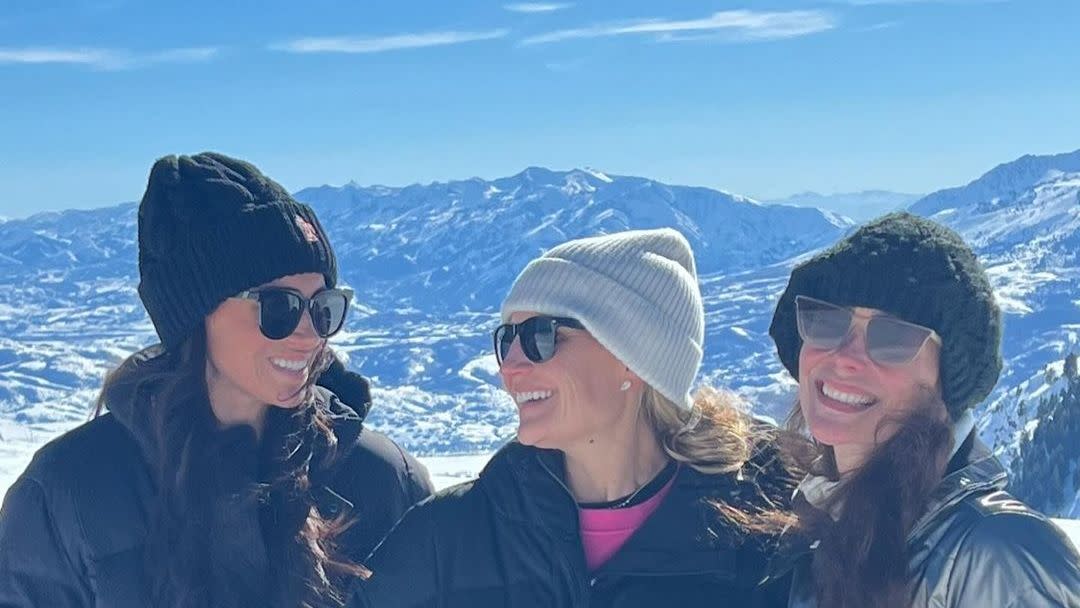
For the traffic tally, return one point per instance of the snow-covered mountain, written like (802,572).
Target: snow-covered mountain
(859,206)
(430,264)
(1007,181)
(1023,218)
(418,242)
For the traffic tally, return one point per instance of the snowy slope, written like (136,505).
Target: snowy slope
(431,262)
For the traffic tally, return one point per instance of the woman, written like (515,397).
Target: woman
(221,476)
(894,336)
(621,489)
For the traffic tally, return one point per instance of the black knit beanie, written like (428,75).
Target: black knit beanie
(921,272)
(210,227)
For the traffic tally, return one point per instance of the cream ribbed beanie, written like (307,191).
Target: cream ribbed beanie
(636,292)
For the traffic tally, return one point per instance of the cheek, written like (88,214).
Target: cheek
(232,346)
(809,358)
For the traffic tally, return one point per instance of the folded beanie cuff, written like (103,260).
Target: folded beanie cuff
(626,323)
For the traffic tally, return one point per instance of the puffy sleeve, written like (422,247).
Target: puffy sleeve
(36,565)
(1015,560)
(405,568)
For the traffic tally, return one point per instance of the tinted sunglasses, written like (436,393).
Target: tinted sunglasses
(281,308)
(889,341)
(538,337)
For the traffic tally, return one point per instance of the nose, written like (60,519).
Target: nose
(515,362)
(851,355)
(304,334)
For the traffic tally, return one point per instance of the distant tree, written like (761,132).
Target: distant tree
(1052,452)
(1071,371)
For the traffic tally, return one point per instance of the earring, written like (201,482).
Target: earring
(625,386)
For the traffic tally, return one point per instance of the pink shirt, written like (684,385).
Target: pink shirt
(605,531)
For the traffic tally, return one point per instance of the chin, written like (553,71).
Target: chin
(828,433)
(287,405)
(527,438)
(533,437)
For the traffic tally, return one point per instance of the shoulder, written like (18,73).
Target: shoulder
(92,483)
(999,525)
(1004,549)
(377,467)
(96,450)
(459,504)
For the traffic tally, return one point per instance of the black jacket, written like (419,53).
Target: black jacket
(974,546)
(511,538)
(73,526)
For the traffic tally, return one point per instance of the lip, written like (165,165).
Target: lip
(534,402)
(289,372)
(840,406)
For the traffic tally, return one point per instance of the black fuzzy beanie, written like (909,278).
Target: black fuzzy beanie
(918,271)
(211,226)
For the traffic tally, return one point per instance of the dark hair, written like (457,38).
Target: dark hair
(304,567)
(862,557)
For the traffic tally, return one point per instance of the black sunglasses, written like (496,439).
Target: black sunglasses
(538,337)
(889,341)
(281,308)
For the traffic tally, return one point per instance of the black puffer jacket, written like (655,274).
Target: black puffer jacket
(73,526)
(511,538)
(974,546)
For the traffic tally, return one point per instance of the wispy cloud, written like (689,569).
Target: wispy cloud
(105,59)
(737,24)
(537,7)
(385,43)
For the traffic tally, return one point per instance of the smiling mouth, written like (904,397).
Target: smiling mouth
(290,365)
(846,398)
(531,396)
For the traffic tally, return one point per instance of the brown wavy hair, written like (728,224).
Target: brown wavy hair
(183,555)
(718,436)
(862,557)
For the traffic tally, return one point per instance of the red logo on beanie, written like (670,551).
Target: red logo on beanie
(307,229)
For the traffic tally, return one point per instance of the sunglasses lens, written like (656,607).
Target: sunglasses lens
(538,340)
(893,342)
(279,313)
(328,312)
(822,325)
(504,338)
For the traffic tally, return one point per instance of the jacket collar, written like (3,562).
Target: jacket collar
(973,471)
(684,536)
(816,489)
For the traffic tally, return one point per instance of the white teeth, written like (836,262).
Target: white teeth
(843,397)
(289,365)
(531,396)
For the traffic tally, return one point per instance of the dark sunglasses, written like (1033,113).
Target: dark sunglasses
(538,337)
(889,341)
(281,308)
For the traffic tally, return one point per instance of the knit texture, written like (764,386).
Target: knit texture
(921,272)
(636,292)
(210,227)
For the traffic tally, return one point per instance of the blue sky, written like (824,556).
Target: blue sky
(759,98)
